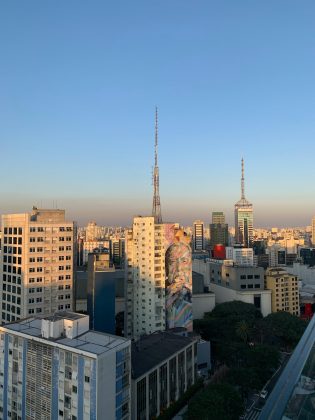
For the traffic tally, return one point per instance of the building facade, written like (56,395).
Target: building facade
(230,282)
(54,367)
(240,256)
(164,366)
(198,236)
(37,262)
(146,244)
(285,290)
(219,230)
(101,292)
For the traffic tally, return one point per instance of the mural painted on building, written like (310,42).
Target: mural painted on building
(178,266)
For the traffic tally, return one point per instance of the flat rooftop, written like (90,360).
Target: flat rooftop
(64,315)
(92,342)
(151,350)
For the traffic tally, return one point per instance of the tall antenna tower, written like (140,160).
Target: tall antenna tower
(156,208)
(242,182)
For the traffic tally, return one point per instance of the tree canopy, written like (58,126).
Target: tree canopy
(220,401)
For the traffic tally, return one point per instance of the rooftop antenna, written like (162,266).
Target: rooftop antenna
(156,208)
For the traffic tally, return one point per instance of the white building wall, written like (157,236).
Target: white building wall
(303,272)
(223,294)
(202,303)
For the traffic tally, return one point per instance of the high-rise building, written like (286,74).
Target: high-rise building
(219,230)
(285,290)
(53,367)
(146,244)
(198,236)
(313,231)
(243,218)
(36,263)
(117,251)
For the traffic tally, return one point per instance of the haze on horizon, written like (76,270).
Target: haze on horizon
(79,84)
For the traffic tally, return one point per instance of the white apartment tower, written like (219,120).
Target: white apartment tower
(145,274)
(36,264)
(199,237)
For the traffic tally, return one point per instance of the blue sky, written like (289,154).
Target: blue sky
(79,82)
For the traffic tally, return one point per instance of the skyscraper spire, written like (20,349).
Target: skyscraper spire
(156,208)
(243,182)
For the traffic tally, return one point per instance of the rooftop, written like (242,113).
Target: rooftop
(92,342)
(153,349)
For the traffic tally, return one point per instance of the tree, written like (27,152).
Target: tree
(282,329)
(220,401)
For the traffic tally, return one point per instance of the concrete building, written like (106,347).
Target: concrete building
(164,366)
(53,367)
(36,263)
(277,255)
(243,218)
(230,282)
(313,231)
(240,256)
(198,236)
(285,290)
(117,246)
(219,230)
(146,244)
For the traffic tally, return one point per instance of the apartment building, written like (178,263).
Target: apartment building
(284,290)
(36,263)
(146,244)
(55,368)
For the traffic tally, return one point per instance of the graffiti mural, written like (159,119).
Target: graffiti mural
(178,266)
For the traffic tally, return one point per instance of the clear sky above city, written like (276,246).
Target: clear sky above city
(79,81)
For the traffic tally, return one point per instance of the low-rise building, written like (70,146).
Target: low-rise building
(285,290)
(53,367)
(231,282)
(164,366)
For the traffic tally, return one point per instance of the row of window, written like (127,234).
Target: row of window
(41,269)
(12,269)
(12,231)
(11,279)
(42,239)
(41,249)
(11,308)
(61,307)
(15,240)
(250,286)
(48,229)
(11,289)
(250,276)
(11,298)
(12,260)
(12,250)
(9,317)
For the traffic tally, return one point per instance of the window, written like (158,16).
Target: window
(243,277)
(87,379)
(250,276)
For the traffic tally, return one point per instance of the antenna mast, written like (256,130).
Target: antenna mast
(156,208)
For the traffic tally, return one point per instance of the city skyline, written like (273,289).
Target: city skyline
(79,87)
